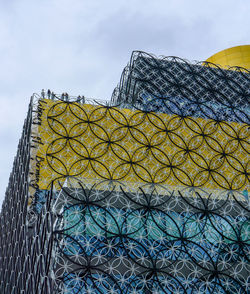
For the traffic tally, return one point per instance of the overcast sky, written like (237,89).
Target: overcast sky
(82,46)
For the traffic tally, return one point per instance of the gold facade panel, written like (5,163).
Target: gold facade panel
(96,142)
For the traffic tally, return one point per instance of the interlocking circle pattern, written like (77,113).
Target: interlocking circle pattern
(146,194)
(111,143)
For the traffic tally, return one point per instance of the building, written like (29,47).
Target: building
(147,193)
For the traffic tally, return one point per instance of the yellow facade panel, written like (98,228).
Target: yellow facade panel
(96,142)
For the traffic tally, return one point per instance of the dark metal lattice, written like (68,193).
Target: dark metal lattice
(25,250)
(125,229)
(175,86)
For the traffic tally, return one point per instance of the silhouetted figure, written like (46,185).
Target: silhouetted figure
(78,99)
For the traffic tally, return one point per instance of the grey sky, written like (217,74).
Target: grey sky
(82,46)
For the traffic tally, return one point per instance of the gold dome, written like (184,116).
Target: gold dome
(234,56)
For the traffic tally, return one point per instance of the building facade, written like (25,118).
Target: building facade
(147,193)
